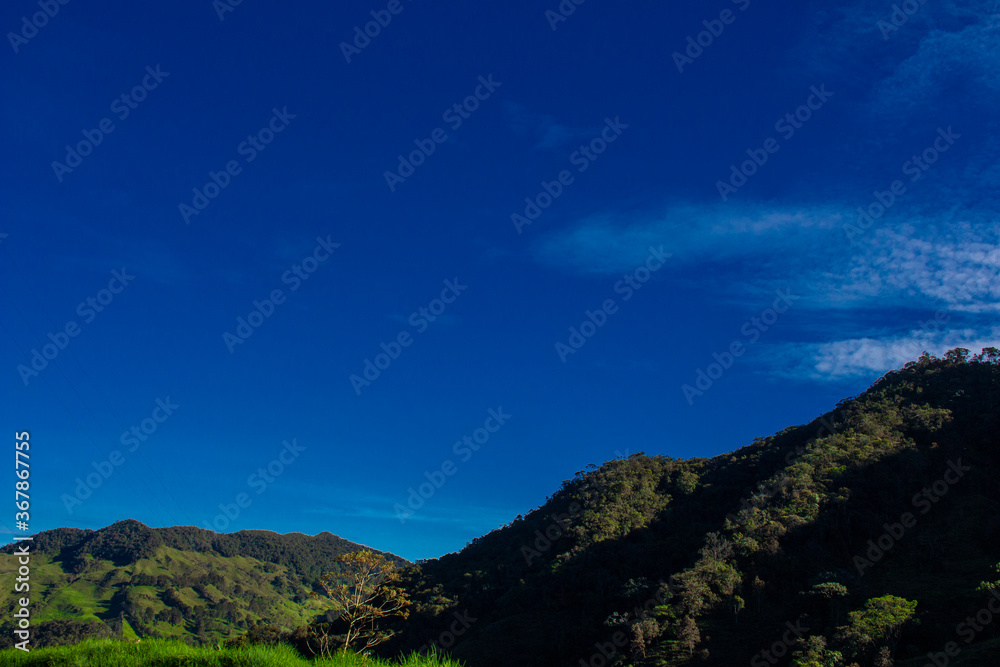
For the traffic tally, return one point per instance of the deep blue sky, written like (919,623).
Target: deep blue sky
(863,300)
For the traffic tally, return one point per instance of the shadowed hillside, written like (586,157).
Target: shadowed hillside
(870,536)
(815,542)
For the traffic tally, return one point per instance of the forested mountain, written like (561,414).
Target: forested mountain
(171,582)
(870,536)
(863,536)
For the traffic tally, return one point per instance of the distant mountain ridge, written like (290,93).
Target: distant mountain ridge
(182,582)
(127,541)
(867,537)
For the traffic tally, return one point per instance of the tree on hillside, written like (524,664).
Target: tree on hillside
(688,635)
(990,586)
(364,599)
(812,652)
(989,355)
(879,624)
(958,355)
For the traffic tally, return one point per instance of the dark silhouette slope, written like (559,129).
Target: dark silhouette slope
(815,541)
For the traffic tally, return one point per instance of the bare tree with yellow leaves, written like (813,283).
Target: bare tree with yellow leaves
(364,598)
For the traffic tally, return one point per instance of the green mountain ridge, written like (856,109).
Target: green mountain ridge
(870,536)
(179,582)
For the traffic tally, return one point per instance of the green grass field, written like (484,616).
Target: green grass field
(171,653)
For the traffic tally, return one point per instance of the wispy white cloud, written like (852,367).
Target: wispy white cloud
(955,267)
(901,269)
(954,263)
(936,248)
(861,357)
(613,243)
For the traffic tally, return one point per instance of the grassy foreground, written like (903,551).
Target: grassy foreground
(172,653)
